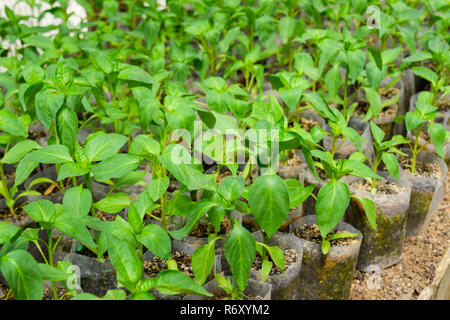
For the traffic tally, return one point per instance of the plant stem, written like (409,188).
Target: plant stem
(414,152)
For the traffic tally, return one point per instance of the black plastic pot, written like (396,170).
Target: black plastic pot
(382,247)
(327,277)
(254,288)
(284,287)
(95,277)
(345,147)
(426,194)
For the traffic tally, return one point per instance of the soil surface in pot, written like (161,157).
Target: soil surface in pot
(382,186)
(362,108)
(431,170)
(311,233)
(20,214)
(290,257)
(294,159)
(224,296)
(421,257)
(305,124)
(156,265)
(201,230)
(48,293)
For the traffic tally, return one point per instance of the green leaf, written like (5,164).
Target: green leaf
(24,169)
(369,209)
(268,198)
(197,211)
(33,73)
(70,169)
(85,296)
(332,201)
(377,133)
(143,145)
(19,151)
(177,281)
(203,260)
(115,294)
(157,187)
(113,203)
(126,263)
(195,180)
(67,127)
(287,27)
(240,252)
(359,169)
(101,60)
(437,134)
(41,210)
(412,120)
(333,80)
(77,201)
(23,275)
(7,231)
(73,227)
(115,167)
(130,179)
(231,187)
(297,193)
(104,146)
(11,123)
(51,273)
(155,239)
(134,73)
(391,163)
(47,104)
(377,57)
(426,74)
(55,153)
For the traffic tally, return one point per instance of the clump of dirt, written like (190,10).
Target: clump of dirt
(311,233)
(20,214)
(106,216)
(294,159)
(48,294)
(390,92)
(421,256)
(290,257)
(424,169)
(308,124)
(363,107)
(201,230)
(444,106)
(382,186)
(156,265)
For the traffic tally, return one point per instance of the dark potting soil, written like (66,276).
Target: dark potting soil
(424,169)
(443,106)
(4,291)
(156,265)
(363,107)
(20,214)
(224,296)
(250,225)
(35,135)
(382,186)
(107,216)
(290,257)
(389,93)
(294,159)
(48,294)
(308,124)
(201,230)
(311,233)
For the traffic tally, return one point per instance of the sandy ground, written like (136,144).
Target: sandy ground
(421,256)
